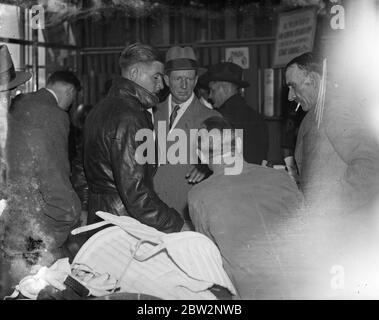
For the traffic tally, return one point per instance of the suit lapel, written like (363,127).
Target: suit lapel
(161,114)
(185,122)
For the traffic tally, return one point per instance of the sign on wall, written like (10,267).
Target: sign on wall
(268,109)
(295,35)
(238,56)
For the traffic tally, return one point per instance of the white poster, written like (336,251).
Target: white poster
(238,56)
(295,35)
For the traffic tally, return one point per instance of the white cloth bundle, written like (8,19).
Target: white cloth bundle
(144,260)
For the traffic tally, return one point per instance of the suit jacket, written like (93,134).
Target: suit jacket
(170,182)
(39,168)
(255,131)
(339,161)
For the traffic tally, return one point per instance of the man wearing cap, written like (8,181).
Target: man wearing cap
(224,81)
(9,80)
(180,112)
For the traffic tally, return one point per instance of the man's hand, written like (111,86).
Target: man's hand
(196,174)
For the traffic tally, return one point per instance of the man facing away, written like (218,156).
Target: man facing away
(118,182)
(225,80)
(9,79)
(240,207)
(179,113)
(46,207)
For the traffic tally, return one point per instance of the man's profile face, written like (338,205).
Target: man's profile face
(217,94)
(181,84)
(301,87)
(150,76)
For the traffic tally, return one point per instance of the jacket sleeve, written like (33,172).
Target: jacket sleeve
(134,181)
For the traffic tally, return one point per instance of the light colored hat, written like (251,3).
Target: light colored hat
(9,78)
(181,58)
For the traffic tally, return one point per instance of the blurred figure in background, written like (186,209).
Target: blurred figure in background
(10,79)
(45,205)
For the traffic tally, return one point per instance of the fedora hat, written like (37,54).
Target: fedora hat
(181,58)
(9,78)
(224,71)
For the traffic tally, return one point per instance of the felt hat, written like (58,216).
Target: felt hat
(9,77)
(181,58)
(224,71)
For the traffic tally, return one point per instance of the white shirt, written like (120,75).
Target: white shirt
(182,109)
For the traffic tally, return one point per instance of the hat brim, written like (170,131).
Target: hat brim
(206,78)
(21,77)
(200,71)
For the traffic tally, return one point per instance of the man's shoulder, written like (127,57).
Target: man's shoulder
(204,189)
(202,111)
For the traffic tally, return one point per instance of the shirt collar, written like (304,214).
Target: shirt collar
(182,109)
(183,105)
(53,93)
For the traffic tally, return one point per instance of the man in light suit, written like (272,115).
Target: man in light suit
(180,111)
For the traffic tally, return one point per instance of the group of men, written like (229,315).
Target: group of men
(185,186)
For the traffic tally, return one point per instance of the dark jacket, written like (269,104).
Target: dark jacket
(39,168)
(118,183)
(255,132)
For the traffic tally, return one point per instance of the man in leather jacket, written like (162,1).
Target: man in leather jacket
(118,183)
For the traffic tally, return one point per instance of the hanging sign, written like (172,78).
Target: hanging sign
(238,56)
(295,35)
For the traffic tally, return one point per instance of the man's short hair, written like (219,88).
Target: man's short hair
(66,77)
(220,125)
(136,53)
(308,62)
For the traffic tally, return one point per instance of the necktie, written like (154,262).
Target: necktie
(173,115)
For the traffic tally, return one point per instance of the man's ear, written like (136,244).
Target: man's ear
(71,89)
(133,73)
(166,80)
(312,79)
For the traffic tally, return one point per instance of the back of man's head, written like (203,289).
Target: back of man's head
(137,53)
(66,77)
(65,85)
(219,136)
(219,143)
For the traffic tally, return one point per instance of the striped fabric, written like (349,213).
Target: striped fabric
(144,260)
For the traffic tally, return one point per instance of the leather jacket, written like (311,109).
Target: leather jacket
(117,182)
